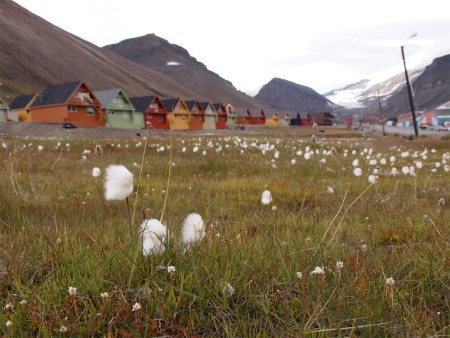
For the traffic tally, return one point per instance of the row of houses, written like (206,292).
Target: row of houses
(75,103)
(431,118)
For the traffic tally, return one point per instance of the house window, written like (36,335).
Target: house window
(200,117)
(183,117)
(126,115)
(118,100)
(90,111)
(72,108)
(111,112)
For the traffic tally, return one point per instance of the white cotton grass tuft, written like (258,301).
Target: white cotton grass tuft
(96,172)
(154,235)
(357,172)
(193,229)
(118,182)
(266,197)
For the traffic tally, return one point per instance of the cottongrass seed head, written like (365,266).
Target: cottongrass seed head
(266,197)
(154,235)
(118,182)
(193,229)
(96,172)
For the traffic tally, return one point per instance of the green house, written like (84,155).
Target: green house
(118,110)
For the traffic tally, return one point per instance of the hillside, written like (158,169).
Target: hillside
(35,53)
(286,95)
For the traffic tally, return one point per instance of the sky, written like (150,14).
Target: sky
(322,44)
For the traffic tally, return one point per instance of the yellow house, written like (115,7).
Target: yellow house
(178,114)
(20,107)
(273,121)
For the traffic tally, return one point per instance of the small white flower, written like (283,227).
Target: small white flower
(72,291)
(339,265)
(330,190)
(307,156)
(357,172)
(228,290)
(405,170)
(266,197)
(274,208)
(372,179)
(136,307)
(419,165)
(40,148)
(23,302)
(299,275)
(96,172)
(63,329)
(317,271)
(9,306)
(364,248)
(104,295)
(8,324)
(118,182)
(390,281)
(171,269)
(195,149)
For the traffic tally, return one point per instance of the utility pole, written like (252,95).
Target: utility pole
(408,85)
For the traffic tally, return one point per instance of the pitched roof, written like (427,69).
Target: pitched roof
(170,104)
(106,96)
(142,103)
(190,104)
(20,102)
(55,94)
(217,106)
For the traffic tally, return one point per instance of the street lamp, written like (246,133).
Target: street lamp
(408,85)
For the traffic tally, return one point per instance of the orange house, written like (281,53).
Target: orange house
(197,114)
(259,119)
(68,103)
(244,116)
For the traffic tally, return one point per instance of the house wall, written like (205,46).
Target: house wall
(24,115)
(122,114)
(273,121)
(231,120)
(82,118)
(13,115)
(178,121)
(157,120)
(258,120)
(243,119)
(196,121)
(56,113)
(221,122)
(210,121)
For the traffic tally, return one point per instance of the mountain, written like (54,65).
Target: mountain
(431,87)
(35,53)
(287,95)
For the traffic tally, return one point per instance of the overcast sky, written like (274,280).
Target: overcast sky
(322,44)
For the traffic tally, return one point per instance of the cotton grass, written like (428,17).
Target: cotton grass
(193,229)
(118,183)
(154,235)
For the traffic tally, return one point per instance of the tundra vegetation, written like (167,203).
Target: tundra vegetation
(327,250)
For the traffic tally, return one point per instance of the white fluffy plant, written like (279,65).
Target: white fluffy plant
(118,183)
(154,236)
(193,229)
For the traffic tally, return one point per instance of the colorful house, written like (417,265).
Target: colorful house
(4,109)
(178,113)
(243,115)
(323,118)
(443,114)
(72,102)
(118,110)
(20,106)
(197,114)
(284,119)
(231,115)
(273,121)
(259,118)
(154,111)
(222,116)
(210,115)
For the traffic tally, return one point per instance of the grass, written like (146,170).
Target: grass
(57,231)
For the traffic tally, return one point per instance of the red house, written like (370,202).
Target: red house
(154,111)
(72,102)
(259,119)
(197,114)
(222,116)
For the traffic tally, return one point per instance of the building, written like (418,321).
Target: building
(153,110)
(210,115)
(20,106)
(197,114)
(72,102)
(178,113)
(118,110)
